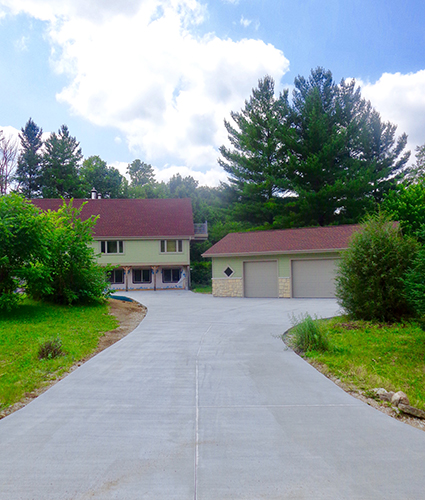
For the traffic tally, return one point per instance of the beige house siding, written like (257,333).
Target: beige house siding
(233,286)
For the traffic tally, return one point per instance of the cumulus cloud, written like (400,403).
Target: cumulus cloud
(145,68)
(400,99)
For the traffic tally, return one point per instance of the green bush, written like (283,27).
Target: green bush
(21,242)
(201,273)
(415,279)
(67,272)
(308,334)
(50,349)
(369,282)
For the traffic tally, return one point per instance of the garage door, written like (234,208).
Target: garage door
(260,279)
(314,278)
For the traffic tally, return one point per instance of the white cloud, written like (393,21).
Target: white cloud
(400,99)
(141,67)
(245,22)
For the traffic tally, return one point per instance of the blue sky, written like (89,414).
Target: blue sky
(154,79)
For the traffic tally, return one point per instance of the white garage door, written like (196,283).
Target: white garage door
(260,279)
(314,278)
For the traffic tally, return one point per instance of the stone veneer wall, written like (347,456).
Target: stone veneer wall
(227,287)
(284,288)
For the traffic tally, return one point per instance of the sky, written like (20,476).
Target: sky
(155,79)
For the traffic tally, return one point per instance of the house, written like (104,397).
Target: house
(279,263)
(148,241)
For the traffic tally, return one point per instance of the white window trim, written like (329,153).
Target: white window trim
(179,244)
(104,243)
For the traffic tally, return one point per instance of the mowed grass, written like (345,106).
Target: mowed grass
(24,330)
(367,355)
(202,289)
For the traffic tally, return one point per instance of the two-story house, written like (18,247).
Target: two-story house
(147,240)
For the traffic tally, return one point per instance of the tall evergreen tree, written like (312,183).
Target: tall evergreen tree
(324,158)
(61,162)
(256,162)
(28,172)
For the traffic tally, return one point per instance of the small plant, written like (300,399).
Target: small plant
(308,334)
(50,349)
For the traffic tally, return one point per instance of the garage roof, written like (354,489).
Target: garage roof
(310,239)
(133,218)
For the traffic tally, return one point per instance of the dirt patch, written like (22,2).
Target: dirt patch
(129,316)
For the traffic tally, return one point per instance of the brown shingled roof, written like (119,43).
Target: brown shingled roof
(283,241)
(123,218)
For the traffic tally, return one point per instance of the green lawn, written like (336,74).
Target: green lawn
(366,356)
(24,330)
(202,288)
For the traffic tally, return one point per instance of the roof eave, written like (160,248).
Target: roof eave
(279,252)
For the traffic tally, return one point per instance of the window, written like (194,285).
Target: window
(116,276)
(171,275)
(228,271)
(171,246)
(112,246)
(142,276)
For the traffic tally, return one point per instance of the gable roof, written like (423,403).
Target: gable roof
(133,218)
(309,239)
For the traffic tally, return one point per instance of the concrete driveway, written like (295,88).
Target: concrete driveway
(203,401)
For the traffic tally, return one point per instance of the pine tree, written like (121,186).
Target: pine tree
(61,162)
(28,172)
(256,164)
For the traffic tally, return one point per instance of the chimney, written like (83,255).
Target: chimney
(99,196)
(93,194)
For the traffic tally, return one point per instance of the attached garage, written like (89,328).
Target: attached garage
(260,279)
(313,278)
(284,263)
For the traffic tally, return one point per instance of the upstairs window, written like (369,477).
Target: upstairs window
(112,246)
(171,246)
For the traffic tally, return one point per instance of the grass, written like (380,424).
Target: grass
(202,288)
(27,330)
(366,355)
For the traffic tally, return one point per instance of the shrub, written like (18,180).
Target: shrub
(309,334)
(21,242)
(369,282)
(201,273)
(68,272)
(415,280)
(50,349)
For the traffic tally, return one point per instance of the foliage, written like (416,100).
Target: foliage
(255,164)
(201,273)
(370,278)
(406,205)
(28,172)
(24,330)
(50,349)
(61,161)
(368,355)
(140,173)
(96,174)
(21,242)
(415,279)
(416,173)
(324,158)
(68,272)
(309,334)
